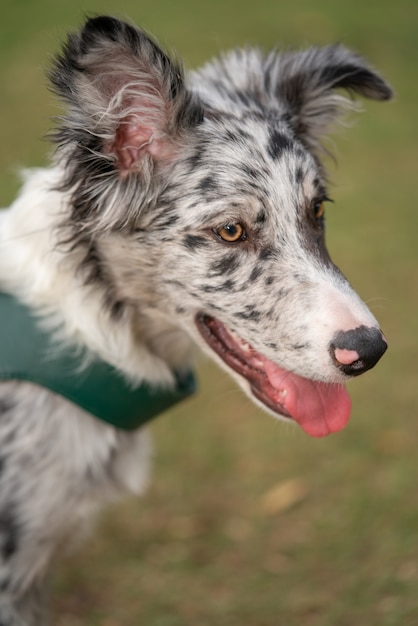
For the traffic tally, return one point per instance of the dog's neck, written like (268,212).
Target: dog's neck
(45,276)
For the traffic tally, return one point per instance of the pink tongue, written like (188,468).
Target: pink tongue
(319,408)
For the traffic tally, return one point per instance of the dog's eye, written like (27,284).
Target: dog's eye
(319,209)
(231,233)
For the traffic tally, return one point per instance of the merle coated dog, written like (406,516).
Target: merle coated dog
(178,210)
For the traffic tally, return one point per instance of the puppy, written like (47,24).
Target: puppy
(178,210)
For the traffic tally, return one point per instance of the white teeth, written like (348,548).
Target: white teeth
(244,345)
(248,350)
(234,336)
(257,363)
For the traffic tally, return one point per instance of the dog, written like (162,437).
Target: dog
(177,210)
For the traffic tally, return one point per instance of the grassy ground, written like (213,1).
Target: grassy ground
(249,521)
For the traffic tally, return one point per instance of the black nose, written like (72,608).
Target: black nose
(358,350)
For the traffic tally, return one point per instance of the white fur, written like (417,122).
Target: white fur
(117,248)
(44,276)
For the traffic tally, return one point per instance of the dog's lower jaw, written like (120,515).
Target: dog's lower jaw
(319,408)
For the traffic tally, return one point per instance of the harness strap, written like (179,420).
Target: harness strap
(26,353)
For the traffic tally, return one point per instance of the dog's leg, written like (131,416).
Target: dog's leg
(57,466)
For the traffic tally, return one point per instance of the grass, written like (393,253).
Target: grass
(201,546)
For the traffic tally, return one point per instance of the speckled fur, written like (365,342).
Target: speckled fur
(115,246)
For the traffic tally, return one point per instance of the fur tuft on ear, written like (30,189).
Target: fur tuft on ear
(305,84)
(297,87)
(128,114)
(122,88)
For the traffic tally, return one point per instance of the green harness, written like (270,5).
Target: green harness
(26,353)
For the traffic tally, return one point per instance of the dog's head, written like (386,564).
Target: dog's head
(217,192)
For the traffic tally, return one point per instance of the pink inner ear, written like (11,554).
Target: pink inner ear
(134,140)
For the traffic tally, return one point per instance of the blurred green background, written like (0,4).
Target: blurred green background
(248,521)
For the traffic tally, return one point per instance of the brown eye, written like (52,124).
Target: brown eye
(319,210)
(231,233)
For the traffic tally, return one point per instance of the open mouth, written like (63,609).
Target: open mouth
(319,408)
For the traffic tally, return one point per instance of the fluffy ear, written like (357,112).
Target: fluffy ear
(128,116)
(122,89)
(305,83)
(125,96)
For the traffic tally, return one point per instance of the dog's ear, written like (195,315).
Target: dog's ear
(306,82)
(127,100)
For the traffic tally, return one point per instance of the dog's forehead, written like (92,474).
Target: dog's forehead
(248,164)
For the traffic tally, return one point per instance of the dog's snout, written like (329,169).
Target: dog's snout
(358,350)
